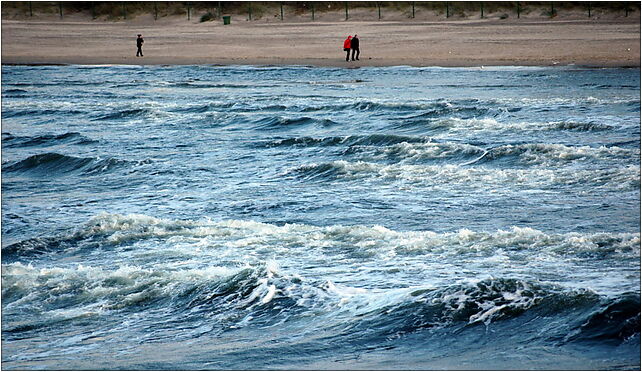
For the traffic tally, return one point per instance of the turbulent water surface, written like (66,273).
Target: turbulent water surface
(209,217)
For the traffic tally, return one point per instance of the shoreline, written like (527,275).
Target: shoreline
(309,64)
(472,43)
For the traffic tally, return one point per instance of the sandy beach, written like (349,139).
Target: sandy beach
(421,42)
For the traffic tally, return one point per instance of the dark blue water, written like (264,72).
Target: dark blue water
(207,217)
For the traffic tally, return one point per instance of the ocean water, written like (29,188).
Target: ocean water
(212,217)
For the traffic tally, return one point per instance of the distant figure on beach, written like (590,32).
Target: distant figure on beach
(347,46)
(354,44)
(139,44)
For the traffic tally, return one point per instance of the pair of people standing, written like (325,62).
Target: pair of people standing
(351,43)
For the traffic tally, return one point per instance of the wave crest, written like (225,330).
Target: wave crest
(45,140)
(57,165)
(619,178)
(278,122)
(354,241)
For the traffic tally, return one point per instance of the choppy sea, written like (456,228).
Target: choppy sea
(231,217)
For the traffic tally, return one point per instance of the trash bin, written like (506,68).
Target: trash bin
(227,20)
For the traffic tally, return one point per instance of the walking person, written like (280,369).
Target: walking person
(139,44)
(347,46)
(354,45)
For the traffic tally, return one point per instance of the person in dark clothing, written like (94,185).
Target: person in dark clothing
(139,44)
(354,44)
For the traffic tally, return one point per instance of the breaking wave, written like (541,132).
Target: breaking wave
(620,178)
(114,229)
(262,296)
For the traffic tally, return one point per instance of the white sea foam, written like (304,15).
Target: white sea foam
(271,291)
(230,238)
(456,125)
(621,177)
(473,124)
(427,151)
(547,154)
(548,102)
(289,260)
(112,288)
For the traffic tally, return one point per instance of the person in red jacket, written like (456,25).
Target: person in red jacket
(347,46)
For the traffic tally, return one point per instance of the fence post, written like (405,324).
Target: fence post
(219,10)
(30,10)
(249,10)
(346,10)
(588,5)
(379,9)
(447,9)
(313,11)
(518,10)
(413,9)
(124,11)
(281,10)
(626,10)
(482,9)
(155,11)
(60,8)
(189,16)
(552,9)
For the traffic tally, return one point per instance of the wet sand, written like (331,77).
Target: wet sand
(595,42)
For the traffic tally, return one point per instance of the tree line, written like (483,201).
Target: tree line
(211,10)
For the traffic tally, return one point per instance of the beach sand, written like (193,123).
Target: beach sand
(392,41)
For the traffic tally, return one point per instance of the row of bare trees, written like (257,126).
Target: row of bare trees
(254,9)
